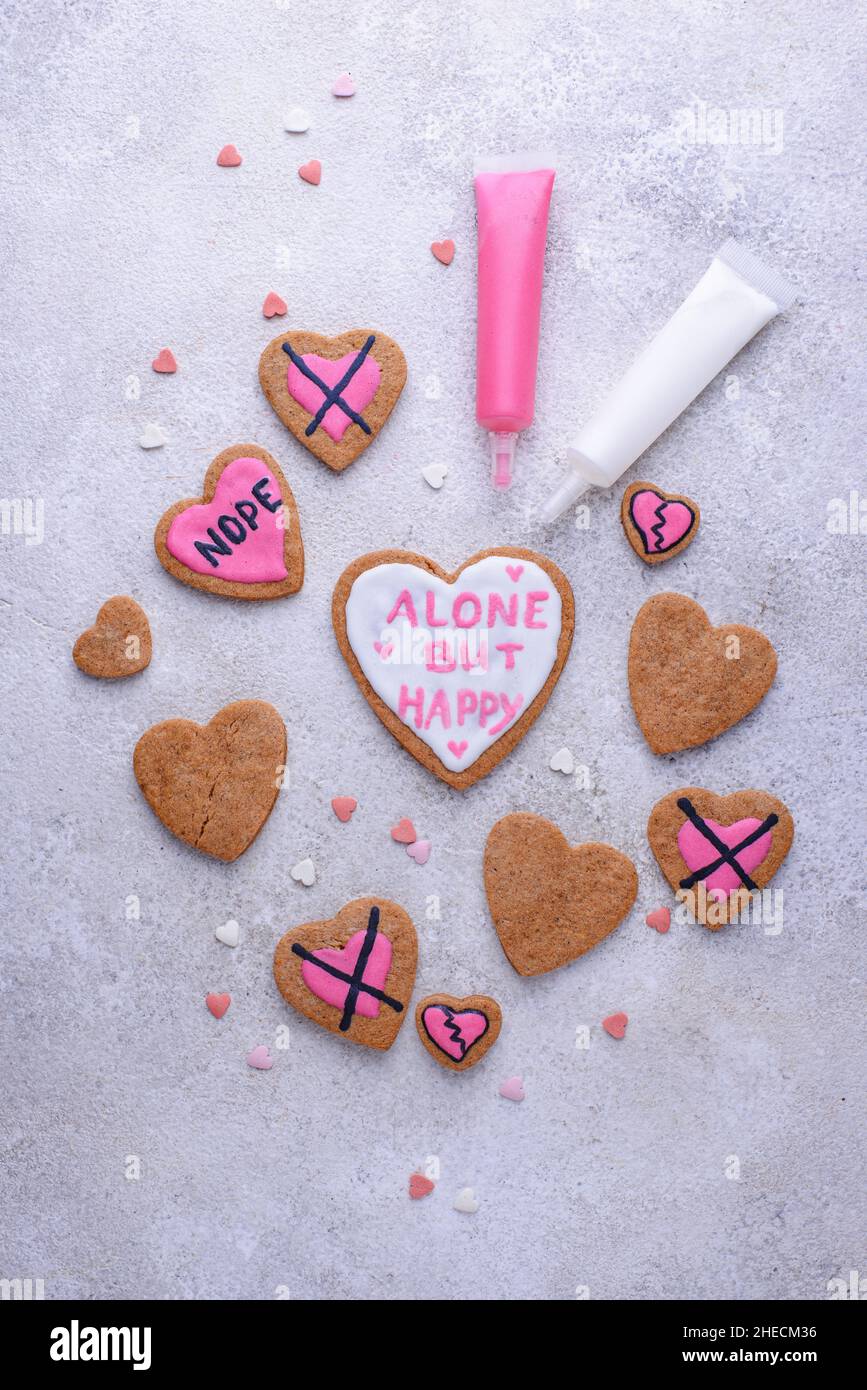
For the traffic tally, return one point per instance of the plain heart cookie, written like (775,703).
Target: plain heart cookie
(458,666)
(689,681)
(354,973)
(717,851)
(242,537)
(214,785)
(334,394)
(551,901)
(658,525)
(458,1032)
(119,643)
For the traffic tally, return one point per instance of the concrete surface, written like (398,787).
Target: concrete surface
(716,1151)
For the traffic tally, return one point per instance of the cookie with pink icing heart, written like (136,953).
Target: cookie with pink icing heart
(242,537)
(458,1032)
(456,665)
(658,524)
(334,394)
(354,973)
(717,851)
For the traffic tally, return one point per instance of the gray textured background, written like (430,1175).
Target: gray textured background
(121,236)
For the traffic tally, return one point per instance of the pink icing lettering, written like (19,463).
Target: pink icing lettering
(479,661)
(202,536)
(511,709)
(534,599)
(439,705)
(468,703)
(430,610)
(416,702)
(510,648)
(495,605)
(439,663)
(460,603)
(404,601)
(490,704)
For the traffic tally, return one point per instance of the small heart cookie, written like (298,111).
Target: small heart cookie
(353,974)
(458,1032)
(242,537)
(119,643)
(658,525)
(688,681)
(333,394)
(716,851)
(552,901)
(214,785)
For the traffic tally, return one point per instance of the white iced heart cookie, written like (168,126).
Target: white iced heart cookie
(457,666)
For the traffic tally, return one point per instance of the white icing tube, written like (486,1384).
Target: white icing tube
(736,297)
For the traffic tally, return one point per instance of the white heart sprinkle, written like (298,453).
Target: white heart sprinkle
(152,437)
(466,1200)
(563,761)
(304,872)
(229,933)
(435,474)
(296,120)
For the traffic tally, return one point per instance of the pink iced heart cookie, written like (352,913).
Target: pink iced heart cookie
(458,1032)
(242,537)
(658,524)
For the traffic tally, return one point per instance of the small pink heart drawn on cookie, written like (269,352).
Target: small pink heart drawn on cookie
(454,1033)
(218,1003)
(313,381)
(404,832)
(661,522)
(514,572)
(615,1025)
(311,172)
(228,158)
(722,856)
(419,850)
(352,977)
(444,250)
(459,749)
(384,649)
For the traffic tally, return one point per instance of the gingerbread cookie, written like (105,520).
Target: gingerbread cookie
(658,524)
(353,974)
(119,643)
(242,537)
(552,901)
(458,1032)
(689,681)
(716,851)
(214,785)
(457,665)
(334,394)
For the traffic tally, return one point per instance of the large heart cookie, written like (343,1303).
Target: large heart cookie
(457,666)
(334,394)
(214,785)
(658,524)
(119,643)
(716,851)
(353,974)
(689,681)
(458,1032)
(242,537)
(552,901)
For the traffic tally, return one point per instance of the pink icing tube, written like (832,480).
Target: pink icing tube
(513,194)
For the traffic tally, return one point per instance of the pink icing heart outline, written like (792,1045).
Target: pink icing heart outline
(258,557)
(514,572)
(459,749)
(696,851)
(384,649)
(660,522)
(440,1023)
(358,394)
(333,991)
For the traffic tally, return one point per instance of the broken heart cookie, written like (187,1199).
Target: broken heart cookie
(119,643)
(458,665)
(552,901)
(458,1032)
(334,394)
(353,974)
(689,681)
(242,537)
(658,524)
(214,785)
(716,851)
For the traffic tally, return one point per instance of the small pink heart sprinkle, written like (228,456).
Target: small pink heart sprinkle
(659,919)
(419,851)
(513,1088)
(311,172)
(343,86)
(165,361)
(615,1025)
(459,749)
(228,158)
(260,1058)
(403,832)
(444,250)
(273,305)
(218,1003)
(514,572)
(384,649)
(343,807)
(419,1186)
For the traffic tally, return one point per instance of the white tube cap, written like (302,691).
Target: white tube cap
(567,493)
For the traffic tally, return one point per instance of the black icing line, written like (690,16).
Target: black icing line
(455,1029)
(727,856)
(332,393)
(356,981)
(657,529)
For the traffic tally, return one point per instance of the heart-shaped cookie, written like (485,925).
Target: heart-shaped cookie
(119,643)
(214,785)
(552,901)
(353,974)
(716,851)
(334,394)
(242,537)
(658,524)
(689,681)
(457,666)
(458,1032)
